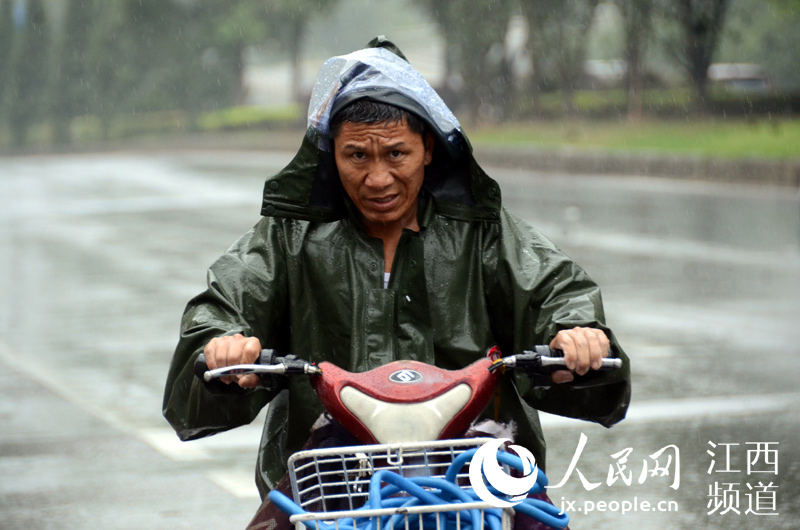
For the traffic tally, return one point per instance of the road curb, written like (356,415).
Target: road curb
(744,171)
(779,173)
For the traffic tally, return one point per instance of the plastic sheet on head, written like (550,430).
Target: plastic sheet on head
(371,70)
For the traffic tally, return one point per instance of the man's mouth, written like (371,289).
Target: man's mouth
(383,203)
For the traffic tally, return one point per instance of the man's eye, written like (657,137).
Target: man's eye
(359,155)
(396,154)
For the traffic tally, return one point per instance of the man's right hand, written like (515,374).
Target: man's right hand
(230,350)
(584,349)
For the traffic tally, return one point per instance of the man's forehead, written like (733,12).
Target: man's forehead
(381,132)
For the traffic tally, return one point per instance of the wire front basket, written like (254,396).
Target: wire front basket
(330,484)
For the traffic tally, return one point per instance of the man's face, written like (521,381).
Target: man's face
(382,167)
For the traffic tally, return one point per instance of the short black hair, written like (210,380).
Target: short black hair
(374,112)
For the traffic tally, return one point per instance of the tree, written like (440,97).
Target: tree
(287,20)
(764,33)
(221,31)
(560,28)
(702,22)
(111,72)
(7,35)
(638,17)
(444,16)
(155,55)
(229,27)
(28,73)
(474,33)
(6,42)
(69,91)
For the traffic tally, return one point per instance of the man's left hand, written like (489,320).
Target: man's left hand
(584,349)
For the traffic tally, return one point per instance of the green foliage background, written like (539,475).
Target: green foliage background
(104,68)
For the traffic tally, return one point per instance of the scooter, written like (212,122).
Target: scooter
(416,422)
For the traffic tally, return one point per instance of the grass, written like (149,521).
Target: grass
(88,129)
(611,103)
(762,138)
(250,117)
(760,135)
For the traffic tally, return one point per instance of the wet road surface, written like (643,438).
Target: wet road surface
(101,252)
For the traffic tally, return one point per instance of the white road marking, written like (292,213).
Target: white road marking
(244,439)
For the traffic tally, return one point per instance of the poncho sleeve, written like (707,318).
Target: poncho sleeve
(535,291)
(246,294)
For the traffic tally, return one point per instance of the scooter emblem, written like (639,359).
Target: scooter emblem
(406,376)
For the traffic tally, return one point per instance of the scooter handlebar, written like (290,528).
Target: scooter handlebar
(546,360)
(542,362)
(558,363)
(267,364)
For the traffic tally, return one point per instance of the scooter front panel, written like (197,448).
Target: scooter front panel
(380,391)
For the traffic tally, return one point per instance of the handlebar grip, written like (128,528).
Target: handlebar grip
(200,366)
(266,357)
(555,362)
(547,351)
(544,360)
(553,357)
(611,363)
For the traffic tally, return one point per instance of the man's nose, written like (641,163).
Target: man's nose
(379,175)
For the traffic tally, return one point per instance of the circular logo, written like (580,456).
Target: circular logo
(484,468)
(405,376)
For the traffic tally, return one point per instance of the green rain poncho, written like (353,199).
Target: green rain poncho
(308,280)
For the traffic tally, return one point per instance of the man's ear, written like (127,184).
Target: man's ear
(430,144)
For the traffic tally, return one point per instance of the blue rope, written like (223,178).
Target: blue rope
(440,491)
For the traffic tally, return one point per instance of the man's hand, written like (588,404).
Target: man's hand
(230,350)
(584,349)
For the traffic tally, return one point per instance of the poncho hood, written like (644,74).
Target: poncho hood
(309,187)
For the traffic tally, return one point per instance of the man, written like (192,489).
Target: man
(383,240)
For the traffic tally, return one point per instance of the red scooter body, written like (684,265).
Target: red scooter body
(406,400)
(398,410)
